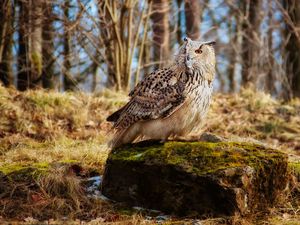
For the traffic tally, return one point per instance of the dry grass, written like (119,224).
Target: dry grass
(44,115)
(255,115)
(60,130)
(39,126)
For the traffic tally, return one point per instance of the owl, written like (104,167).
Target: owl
(169,102)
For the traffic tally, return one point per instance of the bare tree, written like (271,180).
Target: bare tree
(179,22)
(35,45)
(48,45)
(293,45)
(69,83)
(6,41)
(233,51)
(270,86)
(105,38)
(160,27)
(30,44)
(121,25)
(193,13)
(250,43)
(23,80)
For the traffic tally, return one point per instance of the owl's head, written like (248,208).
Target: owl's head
(196,55)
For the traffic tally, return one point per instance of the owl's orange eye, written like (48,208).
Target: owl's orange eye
(198,51)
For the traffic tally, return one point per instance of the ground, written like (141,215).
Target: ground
(50,143)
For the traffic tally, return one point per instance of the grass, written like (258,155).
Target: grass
(257,116)
(66,129)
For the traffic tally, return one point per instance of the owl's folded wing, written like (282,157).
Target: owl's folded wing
(153,98)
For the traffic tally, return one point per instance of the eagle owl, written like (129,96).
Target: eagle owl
(169,102)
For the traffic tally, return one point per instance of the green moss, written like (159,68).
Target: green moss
(37,61)
(8,169)
(290,220)
(198,157)
(295,167)
(69,161)
(18,172)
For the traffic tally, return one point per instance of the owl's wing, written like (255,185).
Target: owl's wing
(157,96)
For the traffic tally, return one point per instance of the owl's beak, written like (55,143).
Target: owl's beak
(188,62)
(187,58)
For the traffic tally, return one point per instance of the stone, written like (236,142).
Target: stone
(209,137)
(196,178)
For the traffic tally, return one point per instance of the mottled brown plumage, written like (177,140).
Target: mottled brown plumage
(170,101)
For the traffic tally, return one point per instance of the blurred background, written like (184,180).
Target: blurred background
(89,45)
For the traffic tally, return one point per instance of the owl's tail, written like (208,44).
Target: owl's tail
(116,140)
(124,136)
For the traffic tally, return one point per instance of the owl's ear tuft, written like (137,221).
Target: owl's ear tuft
(211,43)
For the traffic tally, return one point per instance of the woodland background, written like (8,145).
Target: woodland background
(92,44)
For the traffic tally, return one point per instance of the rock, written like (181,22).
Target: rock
(196,178)
(209,137)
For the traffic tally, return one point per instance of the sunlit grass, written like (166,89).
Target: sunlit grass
(257,116)
(90,153)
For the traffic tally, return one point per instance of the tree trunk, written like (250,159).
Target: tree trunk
(94,74)
(193,12)
(6,41)
(250,42)
(235,31)
(36,60)
(111,81)
(23,78)
(48,46)
(69,84)
(179,19)
(30,44)
(293,47)
(146,58)
(160,19)
(232,57)
(270,84)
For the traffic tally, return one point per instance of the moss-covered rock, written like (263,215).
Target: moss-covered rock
(196,178)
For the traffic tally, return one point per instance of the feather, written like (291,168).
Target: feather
(157,96)
(115,116)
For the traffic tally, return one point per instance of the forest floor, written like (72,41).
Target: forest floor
(62,137)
